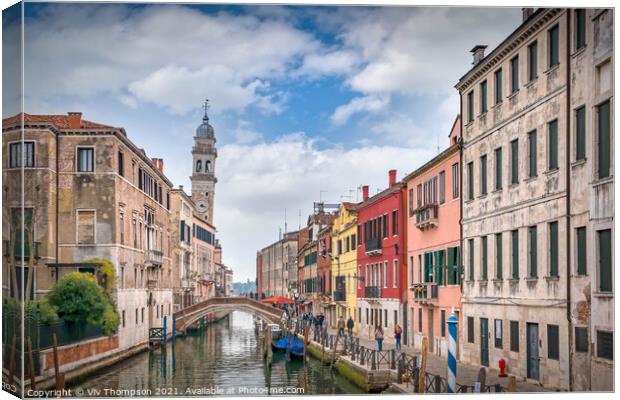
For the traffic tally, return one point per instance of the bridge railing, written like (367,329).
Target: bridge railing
(187,312)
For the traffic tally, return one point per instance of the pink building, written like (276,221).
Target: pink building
(433,246)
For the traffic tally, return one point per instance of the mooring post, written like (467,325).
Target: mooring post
(482,377)
(512,383)
(12,360)
(393,359)
(31,365)
(453,323)
(174,328)
(373,366)
(422,382)
(60,378)
(165,333)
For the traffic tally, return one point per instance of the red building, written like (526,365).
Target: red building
(380,257)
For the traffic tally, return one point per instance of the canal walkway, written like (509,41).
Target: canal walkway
(466,374)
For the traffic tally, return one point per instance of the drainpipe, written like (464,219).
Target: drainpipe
(460,261)
(57,197)
(568,202)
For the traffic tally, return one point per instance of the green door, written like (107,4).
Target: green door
(484,342)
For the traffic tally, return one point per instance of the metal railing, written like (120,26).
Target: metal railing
(153,258)
(426,216)
(373,246)
(372,292)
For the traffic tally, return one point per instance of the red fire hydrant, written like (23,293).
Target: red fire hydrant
(502,368)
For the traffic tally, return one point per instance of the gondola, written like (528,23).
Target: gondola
(296,346)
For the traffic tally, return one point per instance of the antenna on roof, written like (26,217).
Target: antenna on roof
(285,224)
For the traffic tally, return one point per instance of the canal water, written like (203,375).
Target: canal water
(225,358)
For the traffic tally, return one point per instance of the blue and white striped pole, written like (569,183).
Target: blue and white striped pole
(453,323)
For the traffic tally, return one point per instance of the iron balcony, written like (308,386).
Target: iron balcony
(372,292)
(425,292)
(153,258)
(427,216)
(373,246)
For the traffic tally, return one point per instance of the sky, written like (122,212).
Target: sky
(307,103)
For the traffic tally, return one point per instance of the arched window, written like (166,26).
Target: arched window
(207,166)
(198,165)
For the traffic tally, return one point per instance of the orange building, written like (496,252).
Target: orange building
(433,246)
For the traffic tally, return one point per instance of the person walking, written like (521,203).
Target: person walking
(350,325)
(398,331)
(379,337)
(341,326)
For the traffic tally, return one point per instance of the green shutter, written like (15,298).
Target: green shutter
(498,256)
(483,175)
(554,50)
(470,180)
(483,97)
(470,106)
(533,251)
(498,168)
(182,230)
(533,61)
(582,263)
(553,144)
(498,86)
(581,27)
(553,251)
(515,254)
(439,277)
(580,122)
(514,70)
(532,153)
(604,260)
(471,259)
(604,146)
(514,161)
(484,258)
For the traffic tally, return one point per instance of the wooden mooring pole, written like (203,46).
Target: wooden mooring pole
(60,377)
(33,384)
(12,360)
(422,375)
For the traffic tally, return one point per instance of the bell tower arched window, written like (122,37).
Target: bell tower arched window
(198,165)
(207,166)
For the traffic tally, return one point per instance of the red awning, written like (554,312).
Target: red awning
(278,300)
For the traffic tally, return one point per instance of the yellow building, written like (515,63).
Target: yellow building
(344,262)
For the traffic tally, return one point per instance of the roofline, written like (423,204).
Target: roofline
(433,162)
(384,193)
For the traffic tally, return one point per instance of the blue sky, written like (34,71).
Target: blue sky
(304,99)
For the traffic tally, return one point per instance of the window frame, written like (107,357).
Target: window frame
(498,168)
(553,158)
(532,61)
(514,74)
(554,46)
(514,162)
(483,175)
(532,153)
(77,159)
(484,106)
(21,154)
(580,133)
(498,86)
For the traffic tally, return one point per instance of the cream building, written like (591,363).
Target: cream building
(527,198)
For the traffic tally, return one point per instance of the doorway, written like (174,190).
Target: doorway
(484,342)
(533,370)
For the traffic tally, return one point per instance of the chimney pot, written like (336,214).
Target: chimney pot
(75,119)
(391,177)
(478,52)
(365,192)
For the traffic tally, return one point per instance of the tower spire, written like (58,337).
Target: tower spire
(206,107)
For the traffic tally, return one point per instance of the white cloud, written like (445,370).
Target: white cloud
(370,104)
(257,182)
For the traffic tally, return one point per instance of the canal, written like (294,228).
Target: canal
(225,358)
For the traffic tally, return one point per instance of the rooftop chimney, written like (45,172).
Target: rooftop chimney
(391,177)
(527,13)
(159,164)
(75,119)
(365,192)
(478,52)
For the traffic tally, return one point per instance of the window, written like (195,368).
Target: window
(121,228)
(455,180)
(442,187)
(85,226)
(515,254)
(142,315)
(470,329)
(514,336)
(395,272)
(366,316)
(532,57)
(385,274)
(580,23)
(484,258)
(394,222)
(483,175)
(554,46)
(420,319)
(470,180)
(395,317)
(553,342)
(581,339)
(85,157)
(419,195)
(359,315)
(385,318)
(121,167)
(498,86)
(580,133)
(470,250)
(123,314)
(604,144)
(532,160)
(553,144)
(498,168)
(582,257)
(553,249)
(443,323)
(605,345)
(483,97)
(604,260)
(514,161)
(498,334)
(453,266)
(17,158)
(514,74)
(410,202)
(136,316)
(499,273)
(470,106)
(532,251)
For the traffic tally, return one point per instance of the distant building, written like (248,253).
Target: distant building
(273,263)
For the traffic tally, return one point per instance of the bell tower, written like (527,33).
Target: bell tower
(203,177)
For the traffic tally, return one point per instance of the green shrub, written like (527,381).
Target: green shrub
(41,311)
(111,320)
(105,273)
(78,298)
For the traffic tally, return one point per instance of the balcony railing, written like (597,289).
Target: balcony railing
(426,216)
(373,246)
(424,292)
(153,258)
(188,283)
(372,292)
(339,295)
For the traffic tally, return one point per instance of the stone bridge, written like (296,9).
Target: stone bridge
(193,313)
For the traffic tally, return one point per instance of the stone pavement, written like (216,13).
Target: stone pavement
(466,374)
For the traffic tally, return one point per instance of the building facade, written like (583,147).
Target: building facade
(433,246)
(275,261)
(380,258)
(527,120)
(91,193)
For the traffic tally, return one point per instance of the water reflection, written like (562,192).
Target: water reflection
(224,358)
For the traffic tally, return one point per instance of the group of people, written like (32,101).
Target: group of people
(398,331)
